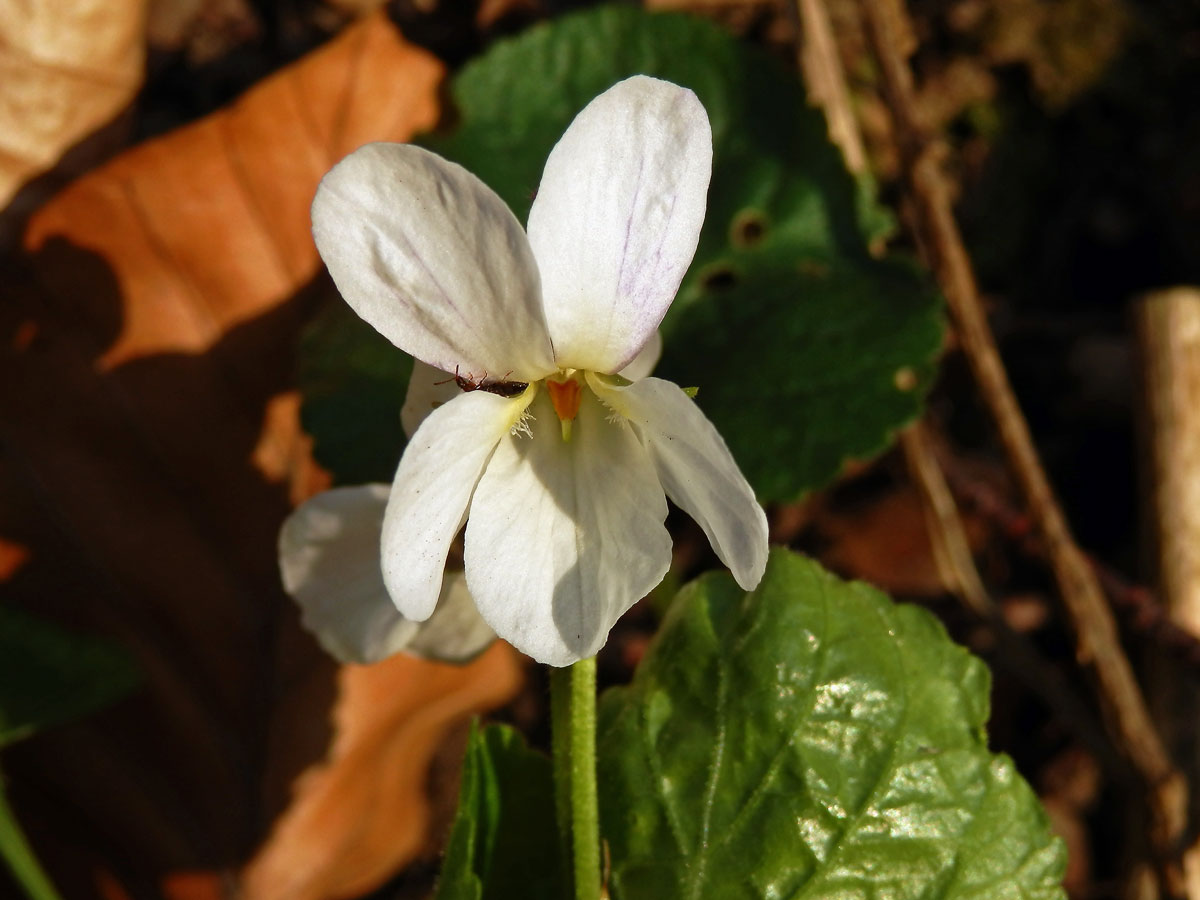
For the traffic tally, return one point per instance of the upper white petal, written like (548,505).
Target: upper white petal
(697,470)
(616,219)
(432,488)
(564,537)
(434,260)
(329,559)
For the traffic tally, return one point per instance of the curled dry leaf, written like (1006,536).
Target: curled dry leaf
(67,70)
(150,453)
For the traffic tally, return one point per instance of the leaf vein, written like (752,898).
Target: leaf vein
(714,776)
(886,771)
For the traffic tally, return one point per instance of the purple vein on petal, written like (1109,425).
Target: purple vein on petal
(625,280)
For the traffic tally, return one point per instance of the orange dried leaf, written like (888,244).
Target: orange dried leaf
(363,814)
(209,226)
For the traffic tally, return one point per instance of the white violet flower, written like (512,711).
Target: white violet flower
(559,465)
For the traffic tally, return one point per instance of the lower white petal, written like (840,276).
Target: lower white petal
(432,488)
(697,470)
(329,559)
(455,632)
(565,536)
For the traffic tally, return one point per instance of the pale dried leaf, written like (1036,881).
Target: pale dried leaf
(67,69)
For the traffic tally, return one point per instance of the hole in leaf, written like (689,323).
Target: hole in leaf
(812,268)
(748,228)
(905,379)
(719,277)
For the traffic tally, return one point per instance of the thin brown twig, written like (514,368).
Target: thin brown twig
(1013,650)
(825,81)
(948,536)
(1098,645)
(822,67)
(1140,609)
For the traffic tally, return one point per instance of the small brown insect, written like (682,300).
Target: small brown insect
(501,388)
(504,388)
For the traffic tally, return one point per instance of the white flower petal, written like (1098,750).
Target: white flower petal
(697,470)
(563,537)
(433,486)
(434,260)
(329,560)
(647,358)
(616,219)
(428,388)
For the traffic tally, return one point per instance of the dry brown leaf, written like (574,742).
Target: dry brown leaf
(149,450)
(357,818)
(12,557)
(887,544)
(66,70)
(202,30)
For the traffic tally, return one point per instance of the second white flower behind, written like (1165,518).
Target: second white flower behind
(559,467)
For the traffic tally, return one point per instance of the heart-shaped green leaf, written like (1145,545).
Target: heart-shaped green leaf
(812,739)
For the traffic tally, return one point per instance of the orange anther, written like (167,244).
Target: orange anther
(565,395)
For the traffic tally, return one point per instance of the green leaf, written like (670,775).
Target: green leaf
(769,148)
(353,381)
(19,856)
(812,739)
(48,676)
(857,365)
(784,320)
(504,842)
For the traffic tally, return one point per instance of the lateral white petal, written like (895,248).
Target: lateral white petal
(616,219)
(429,255)
(564,537)
(697,470)
(428,388)
(433,485)
(329,560)
(645,361)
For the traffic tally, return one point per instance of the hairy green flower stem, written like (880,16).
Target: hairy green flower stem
(573,725)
